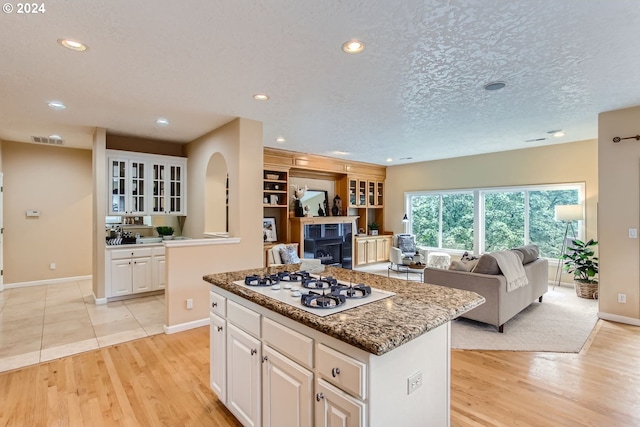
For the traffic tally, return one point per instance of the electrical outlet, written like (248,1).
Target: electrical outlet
(189,303)
(622,298)
(414,382)
(52,266)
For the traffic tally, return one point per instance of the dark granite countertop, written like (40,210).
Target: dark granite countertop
(377,327)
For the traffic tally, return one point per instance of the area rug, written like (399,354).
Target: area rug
(561,323)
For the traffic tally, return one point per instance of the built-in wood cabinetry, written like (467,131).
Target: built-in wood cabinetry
(361,187)
(275,199)
(372,249)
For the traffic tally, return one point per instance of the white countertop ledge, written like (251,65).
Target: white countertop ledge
(201,242)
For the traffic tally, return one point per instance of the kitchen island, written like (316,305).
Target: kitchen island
(378,364)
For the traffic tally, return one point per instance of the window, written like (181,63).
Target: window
(485,220)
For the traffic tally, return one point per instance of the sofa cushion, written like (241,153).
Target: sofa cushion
(487,265)
(530,253)
(463,265)
(289,254)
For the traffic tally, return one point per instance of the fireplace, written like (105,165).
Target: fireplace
(330,243)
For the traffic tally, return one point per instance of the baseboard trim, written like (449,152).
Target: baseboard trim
(46,282)
(185,326)
(620,319)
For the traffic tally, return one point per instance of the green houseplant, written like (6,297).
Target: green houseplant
(165,231)
(580,260)
(374,228)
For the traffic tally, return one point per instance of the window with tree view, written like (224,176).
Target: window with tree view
(501,218)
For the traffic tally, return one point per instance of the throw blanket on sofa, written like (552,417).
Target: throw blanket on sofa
(512,269)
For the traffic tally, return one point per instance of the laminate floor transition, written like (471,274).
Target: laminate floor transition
(162,380)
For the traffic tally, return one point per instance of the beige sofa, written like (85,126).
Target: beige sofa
(500,305)
(275,258)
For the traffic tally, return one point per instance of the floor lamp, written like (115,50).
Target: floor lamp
(567,214)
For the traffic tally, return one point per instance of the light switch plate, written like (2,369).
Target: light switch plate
(633,233)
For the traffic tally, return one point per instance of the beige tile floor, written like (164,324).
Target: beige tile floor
(45,322)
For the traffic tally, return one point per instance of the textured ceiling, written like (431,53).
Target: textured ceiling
(416,90)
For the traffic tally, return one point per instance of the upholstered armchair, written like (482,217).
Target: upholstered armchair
(406,243)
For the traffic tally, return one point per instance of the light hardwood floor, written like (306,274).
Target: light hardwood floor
(163,380)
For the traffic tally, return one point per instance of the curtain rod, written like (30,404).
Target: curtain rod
(618,139)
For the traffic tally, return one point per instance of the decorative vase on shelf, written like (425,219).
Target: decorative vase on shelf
(299,212)
(320,211)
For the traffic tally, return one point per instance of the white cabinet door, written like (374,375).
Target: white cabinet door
(218,356)
(335,408)
(287,390)
(159,273)
(127,187)
(141,274)
(121,277)
(168,188)
(243,376)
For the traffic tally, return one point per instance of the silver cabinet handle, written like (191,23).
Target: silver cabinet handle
(214,304)
(254,351)
(219,328)
(335,372)
(319,397)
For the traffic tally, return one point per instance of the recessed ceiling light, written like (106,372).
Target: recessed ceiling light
(353,46)
(162,122)
(389,159)
(494,86)
(280,139)
(557,133)
(56,105)
(73,45)
(261,97)
(341,153)
(55,136)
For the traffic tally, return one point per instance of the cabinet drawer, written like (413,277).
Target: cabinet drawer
(130,253)
(342,371)
(158,250)
(218,304)
(289,342)
(247,320)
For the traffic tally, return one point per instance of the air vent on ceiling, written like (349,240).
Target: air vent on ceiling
(47,140)
(536,140)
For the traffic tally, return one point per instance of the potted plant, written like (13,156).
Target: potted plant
(165,232)
(580,260)
(373,227)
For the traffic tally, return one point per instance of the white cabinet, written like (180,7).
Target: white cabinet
(126,186)
(146,184)
(287,390)
(243,376)
(134,270)
(158,265)
(335,408)
(218,356)
(168,187)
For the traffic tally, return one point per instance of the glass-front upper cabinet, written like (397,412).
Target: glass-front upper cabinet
(146,184)
(168,189)
(126,187)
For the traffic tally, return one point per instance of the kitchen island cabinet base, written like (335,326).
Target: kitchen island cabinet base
(385,391)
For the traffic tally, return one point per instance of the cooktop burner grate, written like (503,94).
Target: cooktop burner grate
(319,283)
(296,276)
(266,280)
(351,291)
(316,300)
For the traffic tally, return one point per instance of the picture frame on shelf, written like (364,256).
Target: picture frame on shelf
(269,231)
